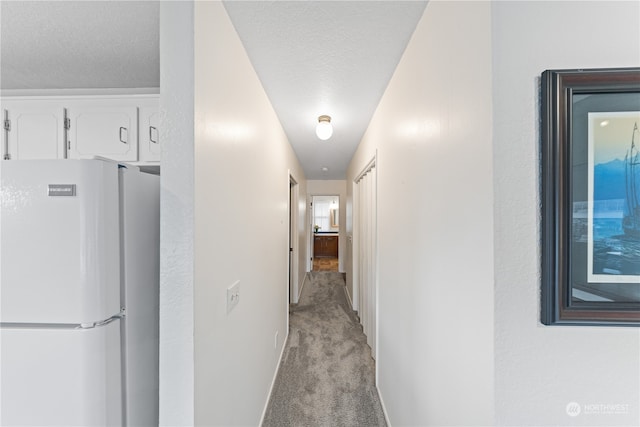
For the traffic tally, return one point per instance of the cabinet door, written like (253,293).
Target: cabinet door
(5,137)
(332,246)
(149,134)
(36,131)
(106,131)
(317,246)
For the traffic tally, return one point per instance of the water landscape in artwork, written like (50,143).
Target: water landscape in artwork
(613,210)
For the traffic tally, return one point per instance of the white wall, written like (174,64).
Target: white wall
(242,161)
(176,220)
(228,154)
(540,369)
(432,133)
(330,188)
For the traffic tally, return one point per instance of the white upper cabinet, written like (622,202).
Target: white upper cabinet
(102,130)
(123,128)
(149,133)
(33,131)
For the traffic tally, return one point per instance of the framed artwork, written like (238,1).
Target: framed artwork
(590,197)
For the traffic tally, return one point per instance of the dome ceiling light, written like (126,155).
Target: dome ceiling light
(324,130)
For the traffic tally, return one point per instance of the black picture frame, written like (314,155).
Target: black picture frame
(589,267)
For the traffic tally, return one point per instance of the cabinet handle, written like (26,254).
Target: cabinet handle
(124,141)
(151,130)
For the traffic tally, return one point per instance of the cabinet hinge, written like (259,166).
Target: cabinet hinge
(7,125)
(67,124)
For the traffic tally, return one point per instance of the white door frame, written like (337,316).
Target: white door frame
(311,224)
(358,292)
(293,245)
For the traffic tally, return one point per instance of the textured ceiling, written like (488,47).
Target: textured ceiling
(312,57)
(325,57)
(79,44)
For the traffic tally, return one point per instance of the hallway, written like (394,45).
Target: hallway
(455,136)
(326,377)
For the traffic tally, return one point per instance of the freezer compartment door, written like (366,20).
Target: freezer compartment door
(61,377)
(60,241)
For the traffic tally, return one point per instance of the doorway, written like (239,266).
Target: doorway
(325,228)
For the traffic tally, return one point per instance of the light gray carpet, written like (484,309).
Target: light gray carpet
(327,374)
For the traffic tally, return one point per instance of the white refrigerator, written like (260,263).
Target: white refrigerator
(79,289)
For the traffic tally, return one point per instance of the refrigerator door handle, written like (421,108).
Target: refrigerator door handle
(124,131)
(102,322)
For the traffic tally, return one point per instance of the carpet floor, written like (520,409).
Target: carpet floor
(326,377)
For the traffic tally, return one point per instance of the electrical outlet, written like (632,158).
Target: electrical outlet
(275,343)
(233,296)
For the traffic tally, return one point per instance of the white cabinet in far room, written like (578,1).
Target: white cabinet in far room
(107,131)
(149,143)
(33,131)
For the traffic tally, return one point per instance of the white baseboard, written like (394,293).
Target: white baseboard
(384,409)
(348,298)
(275,376)
(304,280)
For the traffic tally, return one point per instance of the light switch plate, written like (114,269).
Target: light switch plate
(233,296)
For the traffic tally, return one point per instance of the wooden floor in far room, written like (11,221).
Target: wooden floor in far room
(325,264)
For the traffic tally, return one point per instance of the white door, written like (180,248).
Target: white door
(36,131)
(365,227)
(149,134)
(60,241)
(106,131)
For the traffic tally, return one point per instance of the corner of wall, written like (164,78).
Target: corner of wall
(177,227)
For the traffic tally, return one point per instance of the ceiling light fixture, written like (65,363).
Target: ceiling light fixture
(324,130)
